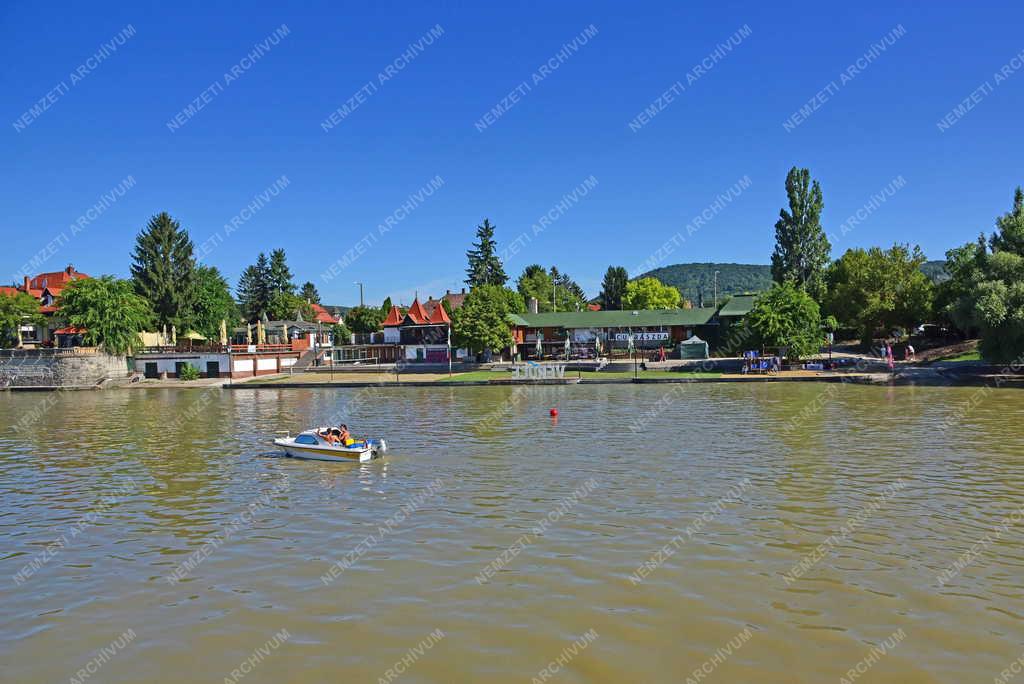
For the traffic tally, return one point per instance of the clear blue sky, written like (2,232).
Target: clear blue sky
(569,126)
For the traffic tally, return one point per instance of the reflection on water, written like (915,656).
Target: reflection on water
(112,493)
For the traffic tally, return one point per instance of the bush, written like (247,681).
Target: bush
(188,372)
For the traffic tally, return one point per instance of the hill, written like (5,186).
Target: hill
(695,280)
(936,270)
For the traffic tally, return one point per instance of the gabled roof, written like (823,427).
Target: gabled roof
(455,299)
(416,313)
(439,316)
(55,278)
(393,319)
(322,315)
(70,330)
(9,291)
(616,319)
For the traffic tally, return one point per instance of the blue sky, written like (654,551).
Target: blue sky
(573,123)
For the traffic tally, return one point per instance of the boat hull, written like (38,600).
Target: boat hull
(328,452)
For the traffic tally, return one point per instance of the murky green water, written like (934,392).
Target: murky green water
(154,536)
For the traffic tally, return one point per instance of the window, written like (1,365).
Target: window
(305,439)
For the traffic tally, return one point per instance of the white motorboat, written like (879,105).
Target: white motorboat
(310,444)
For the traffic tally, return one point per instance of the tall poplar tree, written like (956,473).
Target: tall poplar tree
(484,265)
(801,248)
(164,270)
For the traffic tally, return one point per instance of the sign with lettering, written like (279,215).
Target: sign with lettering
(538,372)
(642,336)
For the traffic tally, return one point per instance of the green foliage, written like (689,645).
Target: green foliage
(188,372)
(481,323)
(484,265)
(650,293)
(280,278)
(110,311)
(785,316)
(340,334)
(801,248)
(613,287)
(545,285)
(874,290)
(213,303)
(164,271)
(985,291)
(385,308)
(696,282)
(16,310)
(309,293)
(285,306)
(267,288)
(364,319)
(253,290)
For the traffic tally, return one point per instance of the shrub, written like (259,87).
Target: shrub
(188,372)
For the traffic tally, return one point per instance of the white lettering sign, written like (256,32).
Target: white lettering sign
(642,336)
(538,372)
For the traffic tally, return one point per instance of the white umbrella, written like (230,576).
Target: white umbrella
(568,347)
(248,333)
(540,347)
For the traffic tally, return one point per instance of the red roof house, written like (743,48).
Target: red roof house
(416,313)
(393,319)
(322,315)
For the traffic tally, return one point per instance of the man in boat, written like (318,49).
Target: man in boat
(346,438)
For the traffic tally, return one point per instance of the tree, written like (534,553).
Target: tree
(309,293)
(285,306)
(254,290)
(785,316)
(340,334)
(109,310)
(385,308)
(987,281)
(801,248)
(484,265)
(613,287)
(279,277)
(650,293)
(552,289)
(364,319)
(213,303)
(164,270)
(481,324)
(872,290)
(17,310)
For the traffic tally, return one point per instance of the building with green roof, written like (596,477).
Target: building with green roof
(589,330)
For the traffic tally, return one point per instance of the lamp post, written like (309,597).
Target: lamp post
(360,293)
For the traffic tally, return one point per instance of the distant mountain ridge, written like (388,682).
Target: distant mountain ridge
(696,280)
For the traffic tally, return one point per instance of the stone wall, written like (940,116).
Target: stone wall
(59,367)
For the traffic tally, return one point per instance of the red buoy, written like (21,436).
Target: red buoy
(554,413)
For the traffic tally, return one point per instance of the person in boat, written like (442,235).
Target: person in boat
(330,436)
(347,440)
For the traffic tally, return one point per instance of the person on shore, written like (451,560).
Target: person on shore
(911,354)
(889,357)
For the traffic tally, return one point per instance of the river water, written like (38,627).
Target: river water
(710,532)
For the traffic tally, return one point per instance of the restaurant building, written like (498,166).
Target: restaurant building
(593,332)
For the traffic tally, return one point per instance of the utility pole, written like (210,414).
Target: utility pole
(716,289)
(360,294)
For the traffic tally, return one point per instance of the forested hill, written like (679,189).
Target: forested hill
(692,280)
